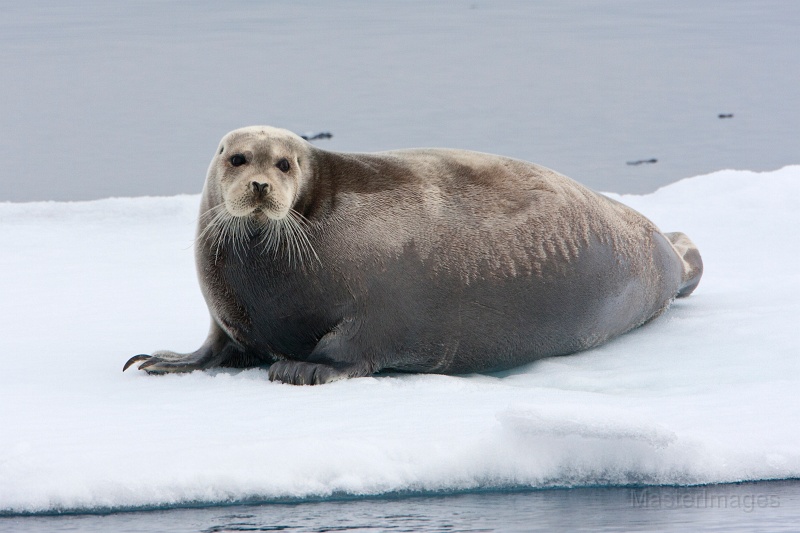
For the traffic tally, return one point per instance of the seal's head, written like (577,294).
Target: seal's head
(253,184)
(257,172)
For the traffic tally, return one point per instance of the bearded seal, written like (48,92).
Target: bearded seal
(333,265)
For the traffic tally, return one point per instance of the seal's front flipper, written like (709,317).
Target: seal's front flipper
(218,350)
(164,362)
(303,373)
(692,262)
(336,356)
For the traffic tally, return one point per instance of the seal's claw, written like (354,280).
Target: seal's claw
(149,362)
(155,364)
(135,359)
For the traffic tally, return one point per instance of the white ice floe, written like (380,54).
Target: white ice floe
(706,393)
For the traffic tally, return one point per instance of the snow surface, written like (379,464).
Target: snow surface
(707,393)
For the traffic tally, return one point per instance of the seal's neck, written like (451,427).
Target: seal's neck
(335,174)
(316,198)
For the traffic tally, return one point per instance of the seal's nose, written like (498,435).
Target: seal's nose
(259,188)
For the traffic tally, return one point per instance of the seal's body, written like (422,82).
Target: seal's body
(331,265)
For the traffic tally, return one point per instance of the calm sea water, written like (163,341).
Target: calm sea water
(107,99)
(770,507)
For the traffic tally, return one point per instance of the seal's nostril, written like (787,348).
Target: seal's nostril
(259,188)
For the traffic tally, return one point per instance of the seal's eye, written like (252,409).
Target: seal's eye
(237,160)
(283,165)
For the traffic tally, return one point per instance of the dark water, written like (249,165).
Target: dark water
(773,506)
(130,98)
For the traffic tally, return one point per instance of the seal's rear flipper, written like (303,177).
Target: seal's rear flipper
(692,262)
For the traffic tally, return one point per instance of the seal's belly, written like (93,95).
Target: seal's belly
(500,324)
(417,322)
